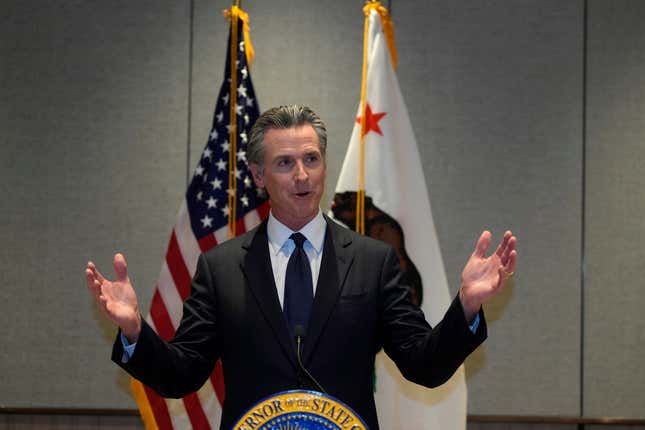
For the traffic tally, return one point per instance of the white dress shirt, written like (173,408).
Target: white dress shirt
(281,247)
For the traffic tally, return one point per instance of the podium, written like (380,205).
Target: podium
(300,410)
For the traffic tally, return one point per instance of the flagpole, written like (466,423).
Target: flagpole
(232,206)
(360,195)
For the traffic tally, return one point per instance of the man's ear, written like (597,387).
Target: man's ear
(258,178)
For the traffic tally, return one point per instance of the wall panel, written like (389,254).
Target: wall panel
(92,149)
(614,341)
(494,89)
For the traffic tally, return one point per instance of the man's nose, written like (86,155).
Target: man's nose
(300,173)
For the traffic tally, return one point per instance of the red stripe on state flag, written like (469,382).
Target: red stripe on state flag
(160,317)
(159,408)
(177,267)
(196,412)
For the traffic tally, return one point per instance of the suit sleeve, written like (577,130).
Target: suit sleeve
(181,366)
(424,355)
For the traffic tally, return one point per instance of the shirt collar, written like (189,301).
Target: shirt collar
(279,233)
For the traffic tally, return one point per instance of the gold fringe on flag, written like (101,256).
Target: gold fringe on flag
(248,46)
(388,27)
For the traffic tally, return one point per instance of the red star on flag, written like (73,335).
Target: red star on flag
(371,120)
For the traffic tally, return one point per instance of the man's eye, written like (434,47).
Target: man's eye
(311,158)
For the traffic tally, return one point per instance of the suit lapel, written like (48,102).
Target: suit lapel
(336,261)
(257,269)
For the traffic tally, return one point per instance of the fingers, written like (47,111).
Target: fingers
(120,268)
(92,280)
(509,267)
(98,275)
(507,271)
(89,276)
(504,243)
(510,247)
(504,250)
(482,244)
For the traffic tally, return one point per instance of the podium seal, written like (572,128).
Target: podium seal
(300,410)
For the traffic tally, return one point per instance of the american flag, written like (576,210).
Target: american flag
(221,201)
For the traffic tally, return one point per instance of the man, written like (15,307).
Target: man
(245,309)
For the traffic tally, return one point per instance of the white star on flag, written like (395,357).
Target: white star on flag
(242,90)
(216,183)
(211,202)
(221,164)
(206,221)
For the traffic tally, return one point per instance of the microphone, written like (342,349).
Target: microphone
(300,332)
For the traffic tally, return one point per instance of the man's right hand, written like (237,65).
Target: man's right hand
(116,299)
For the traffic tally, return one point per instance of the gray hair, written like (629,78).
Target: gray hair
(282,117)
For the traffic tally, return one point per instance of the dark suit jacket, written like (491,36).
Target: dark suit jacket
(360,306)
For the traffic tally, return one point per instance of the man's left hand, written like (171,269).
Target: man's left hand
(483,277)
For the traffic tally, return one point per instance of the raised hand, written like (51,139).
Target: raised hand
(483,277)
(116,299)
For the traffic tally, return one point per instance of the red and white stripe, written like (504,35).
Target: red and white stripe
(202,409)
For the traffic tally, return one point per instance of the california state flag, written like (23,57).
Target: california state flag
(397,210)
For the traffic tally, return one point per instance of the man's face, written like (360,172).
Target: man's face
(294,174)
